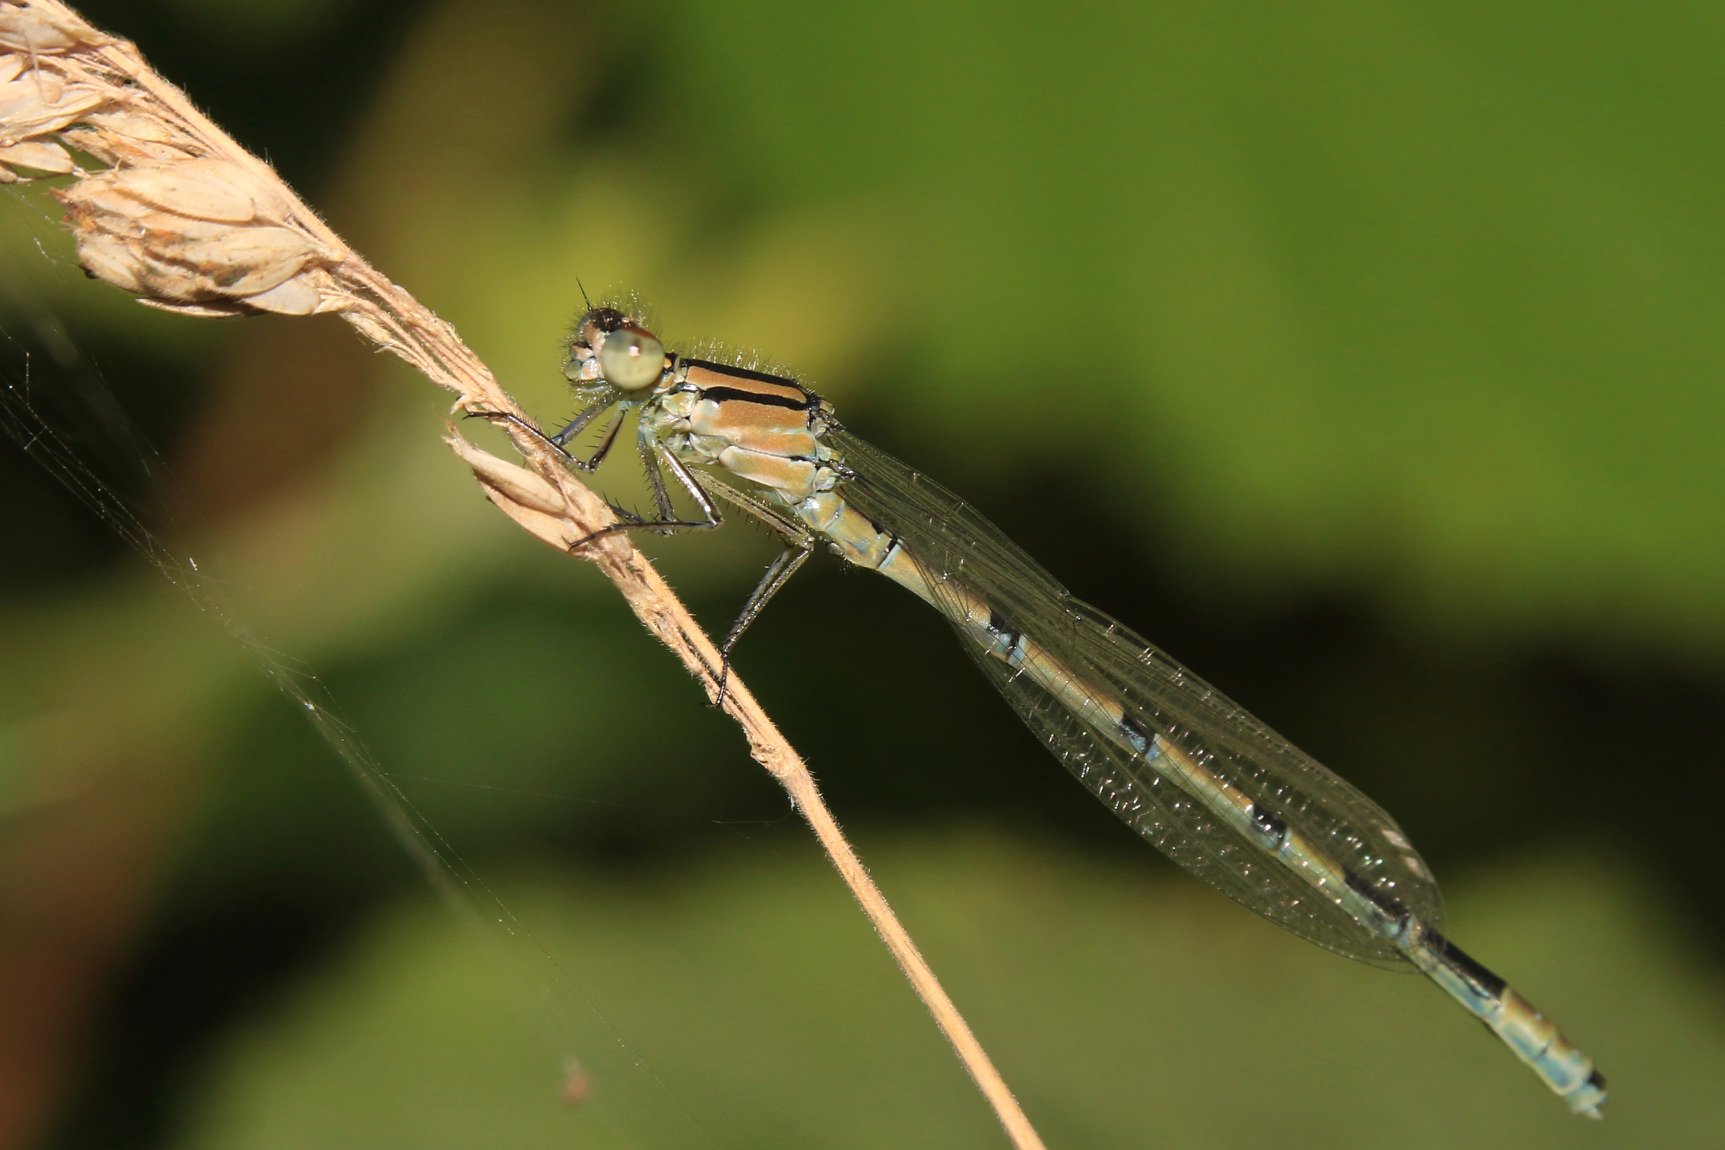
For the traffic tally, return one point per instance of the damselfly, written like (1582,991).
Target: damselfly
(1212,787)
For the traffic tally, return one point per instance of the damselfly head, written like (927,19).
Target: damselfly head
(598,323)
(610,347)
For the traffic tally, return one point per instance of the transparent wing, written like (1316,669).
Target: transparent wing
(965,559)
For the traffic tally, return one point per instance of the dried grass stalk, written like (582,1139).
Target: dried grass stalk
(178,214)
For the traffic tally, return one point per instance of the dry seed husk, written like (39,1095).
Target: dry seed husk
(28,29)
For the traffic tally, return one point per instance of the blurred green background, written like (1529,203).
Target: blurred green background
(1367,358)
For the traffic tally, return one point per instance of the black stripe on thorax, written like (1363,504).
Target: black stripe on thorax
(721,392)
(744,395)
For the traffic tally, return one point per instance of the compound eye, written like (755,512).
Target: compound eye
(632,358)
